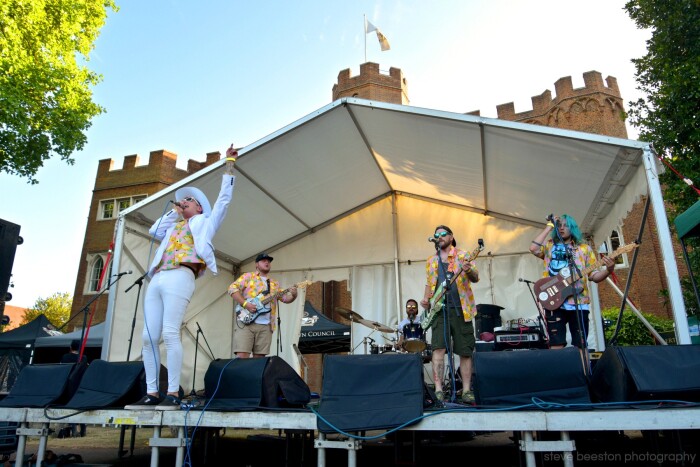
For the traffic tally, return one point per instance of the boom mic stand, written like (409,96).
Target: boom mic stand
(193,393)
(138,282)
(540,311)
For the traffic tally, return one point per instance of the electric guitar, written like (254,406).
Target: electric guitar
(261,304)
(438,300)
(552,291)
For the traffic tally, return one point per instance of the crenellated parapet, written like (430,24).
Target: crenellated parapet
(597,107)
(372,84)
(161,169)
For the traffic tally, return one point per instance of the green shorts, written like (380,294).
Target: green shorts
(462,334)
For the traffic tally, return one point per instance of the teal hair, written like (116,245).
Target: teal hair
(573,228)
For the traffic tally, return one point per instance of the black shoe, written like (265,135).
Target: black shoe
(169,403)
(147,403)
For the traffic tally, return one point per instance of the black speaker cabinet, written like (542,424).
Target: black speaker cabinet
(365,392)
(109,384)
(514,378)
(252,383)
(9,239)
(44,385)
(652,372)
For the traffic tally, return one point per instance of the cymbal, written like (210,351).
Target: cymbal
(348,314)
(375,325)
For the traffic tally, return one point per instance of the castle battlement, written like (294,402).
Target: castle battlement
(161,168)
(372,84)
(574,108)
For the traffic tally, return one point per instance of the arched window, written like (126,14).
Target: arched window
(95,273)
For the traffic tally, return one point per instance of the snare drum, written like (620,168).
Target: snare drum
(413,338)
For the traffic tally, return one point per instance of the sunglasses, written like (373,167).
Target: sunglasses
(411,306)
(440,234)
(192,200)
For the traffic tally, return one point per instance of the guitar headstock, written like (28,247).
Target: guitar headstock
(303,284)
(477,250)
(623,249)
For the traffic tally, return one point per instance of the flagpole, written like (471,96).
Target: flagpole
(364,26)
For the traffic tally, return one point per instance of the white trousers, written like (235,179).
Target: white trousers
(165,303)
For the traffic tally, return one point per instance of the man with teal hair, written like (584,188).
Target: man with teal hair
(566,254)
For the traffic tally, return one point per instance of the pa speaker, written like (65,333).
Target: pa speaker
(44,385)
(640,373)
(252,383)
(109,384)
(366,392)
(513,378)
(9,239)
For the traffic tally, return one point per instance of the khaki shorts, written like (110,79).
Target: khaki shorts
(252,338)
(462,334)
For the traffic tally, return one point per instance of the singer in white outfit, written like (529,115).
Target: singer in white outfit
(184,256)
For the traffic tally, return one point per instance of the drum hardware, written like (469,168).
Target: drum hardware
(353,317)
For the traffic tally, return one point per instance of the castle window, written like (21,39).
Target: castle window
(96,264)
(107,209)
(110,208)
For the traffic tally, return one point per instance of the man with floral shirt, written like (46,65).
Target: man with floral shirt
(454,322)
(255,323)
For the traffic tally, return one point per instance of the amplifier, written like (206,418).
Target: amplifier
(512,340)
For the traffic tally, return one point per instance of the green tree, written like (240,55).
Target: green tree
(45,96)
(668,116)
(56,308)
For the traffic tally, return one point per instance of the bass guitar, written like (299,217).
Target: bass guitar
(261,303)
(552,291)
(438,300)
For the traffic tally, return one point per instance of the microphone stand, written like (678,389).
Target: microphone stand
(86,308)
(138,282)
(446,326)
(579,315)
(540,312)
(196,350)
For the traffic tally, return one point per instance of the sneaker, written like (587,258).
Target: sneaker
(468,397)
(169,403)
(148,402)
(440,396)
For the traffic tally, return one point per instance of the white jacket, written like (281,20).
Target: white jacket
(203,228)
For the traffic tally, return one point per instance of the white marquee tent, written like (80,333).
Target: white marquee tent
(352,192)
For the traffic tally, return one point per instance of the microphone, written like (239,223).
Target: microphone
(123,273)
(434,240)
(525,280)
(177,204)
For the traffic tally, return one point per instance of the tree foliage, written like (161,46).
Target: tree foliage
(632,330)
(669,114)
(56,308)
(45,97)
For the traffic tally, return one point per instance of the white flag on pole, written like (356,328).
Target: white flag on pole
(383,42)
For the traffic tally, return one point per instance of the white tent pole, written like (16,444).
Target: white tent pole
(111,297)
(364,30)
(397,273)
(664,233)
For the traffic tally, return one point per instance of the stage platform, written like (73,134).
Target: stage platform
(523,423)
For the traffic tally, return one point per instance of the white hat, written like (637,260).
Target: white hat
(196,193)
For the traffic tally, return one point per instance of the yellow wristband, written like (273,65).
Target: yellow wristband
(549,224)
(245,303)
(232,159)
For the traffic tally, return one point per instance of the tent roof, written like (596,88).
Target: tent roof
(354,153)
(322,335)
(95,337)
(25,336)
(688,223)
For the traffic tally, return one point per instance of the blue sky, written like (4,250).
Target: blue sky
(194,77)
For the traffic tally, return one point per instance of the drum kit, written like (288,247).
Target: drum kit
(413,342)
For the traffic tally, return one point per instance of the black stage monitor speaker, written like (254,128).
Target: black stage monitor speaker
(9,239)
(109,384)
(366,392)
(514,378)
(488,317)
(44,385)
(252,383)
(650,372)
